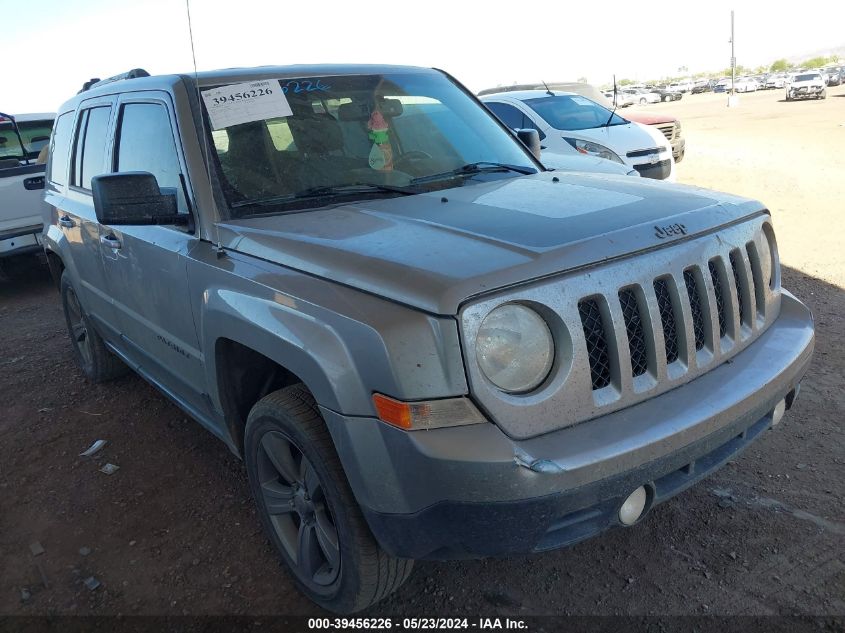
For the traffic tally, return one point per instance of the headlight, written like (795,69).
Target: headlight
(593,149)
(769,257)
(514,348)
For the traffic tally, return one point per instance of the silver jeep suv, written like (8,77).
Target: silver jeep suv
(422,343)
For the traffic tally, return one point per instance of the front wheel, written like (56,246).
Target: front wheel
(307,507)
(642,101)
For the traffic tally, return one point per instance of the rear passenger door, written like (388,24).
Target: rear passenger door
(145,266)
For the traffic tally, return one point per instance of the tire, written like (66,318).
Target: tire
(823,94)
(89,351)
(286,442)
(642,101)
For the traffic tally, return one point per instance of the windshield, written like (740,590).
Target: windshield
(10,146)
(358,136)
(807,77)
(35,135)
(573,112)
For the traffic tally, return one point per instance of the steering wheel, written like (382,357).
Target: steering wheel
(411,156)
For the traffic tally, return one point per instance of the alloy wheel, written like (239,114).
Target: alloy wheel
(295,499)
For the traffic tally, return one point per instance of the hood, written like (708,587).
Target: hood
(434,251)
(584,162)
(622,138)
(648,119)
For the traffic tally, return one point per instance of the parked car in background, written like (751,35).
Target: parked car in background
(642,96)
(806,86)
(746,84)
(666,93)
(565,118)
(723,85)
(703,85)
(620,99)
(833,76)
(665,123)
(22,138)
(776,81)
(685,85)
(564,157)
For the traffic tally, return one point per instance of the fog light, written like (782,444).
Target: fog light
(778,411)
(632,508)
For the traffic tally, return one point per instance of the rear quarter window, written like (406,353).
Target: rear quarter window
(59,149)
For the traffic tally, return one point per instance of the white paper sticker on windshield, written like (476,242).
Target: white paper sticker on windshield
(242,103)
(582,101)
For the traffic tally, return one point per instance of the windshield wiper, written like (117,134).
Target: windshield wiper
(471,169)
(326,192)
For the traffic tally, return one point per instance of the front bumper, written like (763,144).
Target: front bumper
(805,91)
(474,492)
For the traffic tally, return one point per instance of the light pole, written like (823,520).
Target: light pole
(732,96)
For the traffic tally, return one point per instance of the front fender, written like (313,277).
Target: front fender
(311,350)
(344,344)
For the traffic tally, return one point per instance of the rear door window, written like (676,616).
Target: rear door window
(89,158)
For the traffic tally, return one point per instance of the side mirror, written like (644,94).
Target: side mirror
(134,197)
(531,139)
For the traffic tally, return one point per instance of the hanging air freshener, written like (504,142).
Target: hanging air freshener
(381,155)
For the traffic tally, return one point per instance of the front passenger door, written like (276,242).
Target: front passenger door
(145,266)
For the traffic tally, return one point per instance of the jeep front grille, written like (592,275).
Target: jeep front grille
(698,296)
(667,319)
(636,327)
(694,297)
(736,266)
(594,334)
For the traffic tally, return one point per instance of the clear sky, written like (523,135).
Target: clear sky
(50,47)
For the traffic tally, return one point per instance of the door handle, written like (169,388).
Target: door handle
(66,222)
(111,241)
(31,184)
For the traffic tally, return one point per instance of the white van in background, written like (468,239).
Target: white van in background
(567,120)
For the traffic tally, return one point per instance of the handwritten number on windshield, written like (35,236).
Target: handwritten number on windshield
(305,85)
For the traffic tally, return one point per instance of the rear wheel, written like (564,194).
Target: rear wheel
(89,351)
(308,509)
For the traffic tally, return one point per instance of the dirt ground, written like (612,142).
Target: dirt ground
(173,531)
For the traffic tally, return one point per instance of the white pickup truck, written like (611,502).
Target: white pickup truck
(22,137)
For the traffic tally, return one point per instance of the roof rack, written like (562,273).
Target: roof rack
(129,74)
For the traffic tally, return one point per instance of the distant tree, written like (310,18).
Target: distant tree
(582,80)
(779,65)
(815,62)
(624,82)
(760,70)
